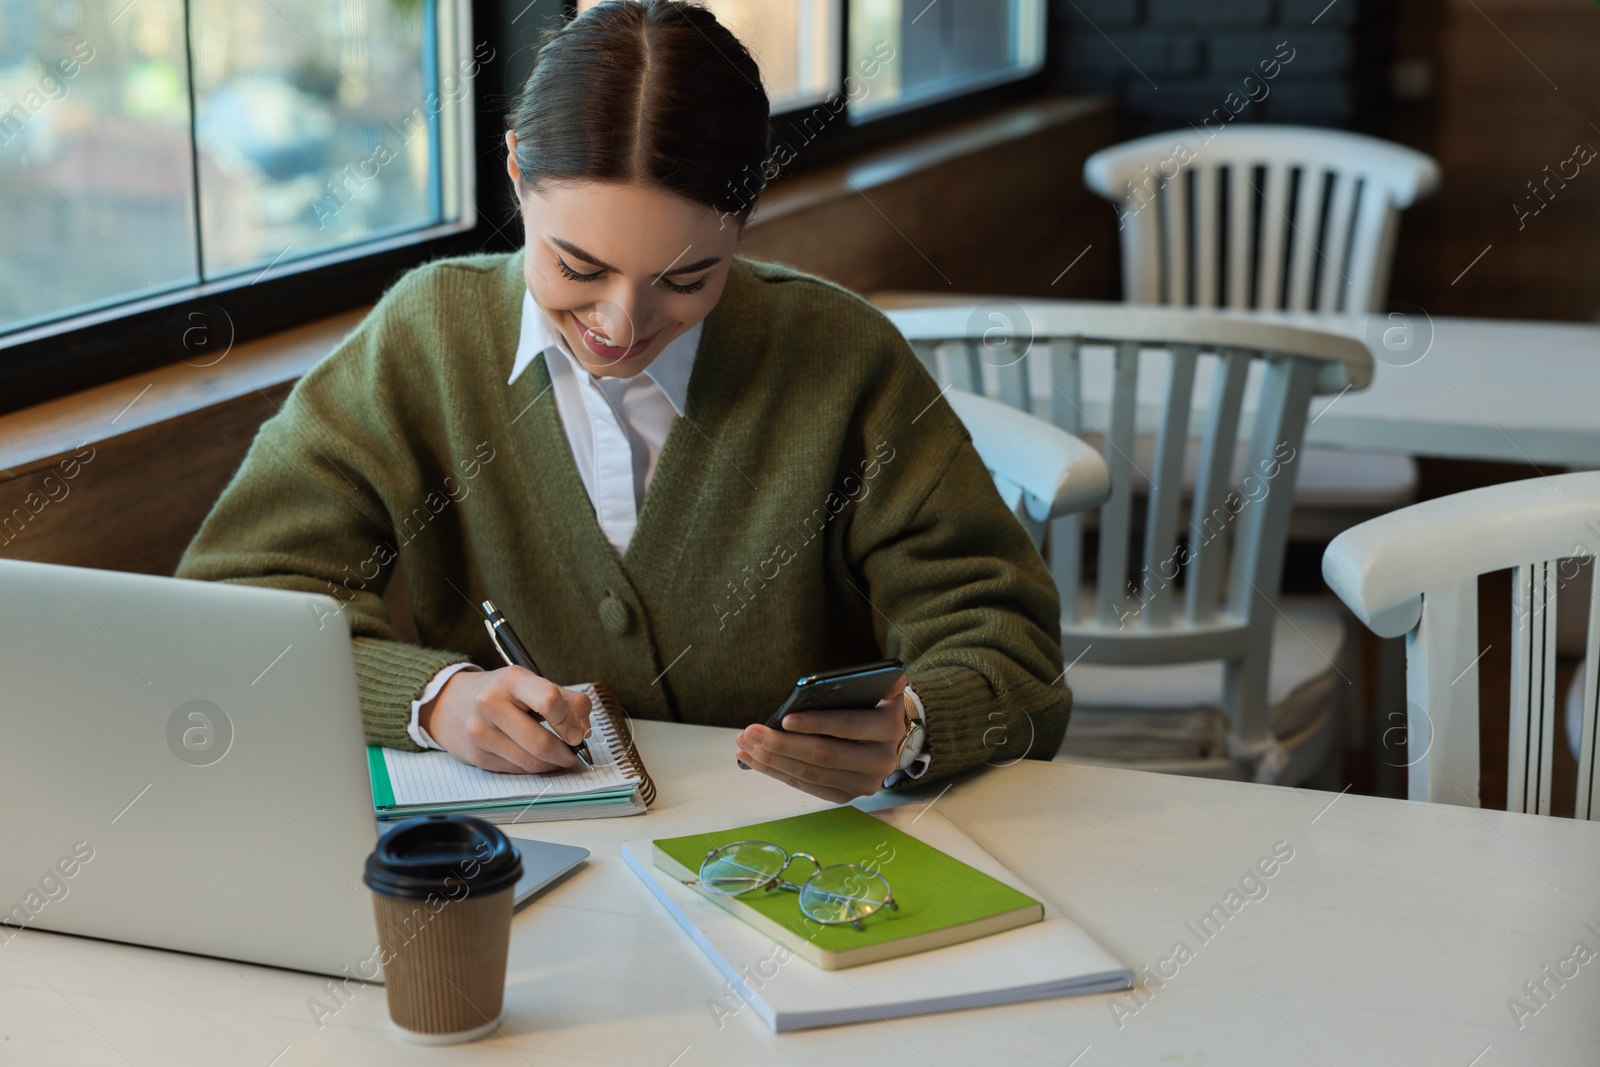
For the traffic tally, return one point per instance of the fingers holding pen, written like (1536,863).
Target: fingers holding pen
(487,719)
(564,709)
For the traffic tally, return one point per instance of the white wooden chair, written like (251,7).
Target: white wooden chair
(1272,217)
(1414,573)
(1221,680)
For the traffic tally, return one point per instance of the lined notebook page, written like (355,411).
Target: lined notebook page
(439,778)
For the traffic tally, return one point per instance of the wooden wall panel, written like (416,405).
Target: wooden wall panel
(137,499)
(1004,219)
(1516,85)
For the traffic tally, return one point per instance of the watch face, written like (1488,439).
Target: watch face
(911,747)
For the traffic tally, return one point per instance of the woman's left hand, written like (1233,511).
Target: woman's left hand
(835,755)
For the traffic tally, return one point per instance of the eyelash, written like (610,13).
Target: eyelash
(684,290)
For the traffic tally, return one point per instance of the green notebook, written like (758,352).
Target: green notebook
(942,900)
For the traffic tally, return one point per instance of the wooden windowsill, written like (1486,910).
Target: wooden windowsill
(33,437)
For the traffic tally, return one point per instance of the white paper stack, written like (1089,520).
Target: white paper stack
(1055,958)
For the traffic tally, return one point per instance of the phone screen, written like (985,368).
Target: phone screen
(845,689)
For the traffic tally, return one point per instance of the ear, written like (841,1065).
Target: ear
(511,164)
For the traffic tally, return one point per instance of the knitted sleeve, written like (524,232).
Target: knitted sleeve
(308,510)
(957,589)
(967,603)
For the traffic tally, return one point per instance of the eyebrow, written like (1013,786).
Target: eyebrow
(687,268)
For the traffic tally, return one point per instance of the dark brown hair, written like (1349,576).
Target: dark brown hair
(654,91)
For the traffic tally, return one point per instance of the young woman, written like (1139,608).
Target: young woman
(693,476)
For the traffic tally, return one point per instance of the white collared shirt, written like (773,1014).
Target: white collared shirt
(615,428)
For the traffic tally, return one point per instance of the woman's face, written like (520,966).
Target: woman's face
(621,269)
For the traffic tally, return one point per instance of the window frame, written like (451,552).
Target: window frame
(82,351)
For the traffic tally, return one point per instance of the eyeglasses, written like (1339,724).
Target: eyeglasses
(833,896)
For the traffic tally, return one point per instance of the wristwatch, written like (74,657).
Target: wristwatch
(912,744)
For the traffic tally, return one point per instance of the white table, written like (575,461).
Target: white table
(1396,934)
(1500,389)
(1518,391)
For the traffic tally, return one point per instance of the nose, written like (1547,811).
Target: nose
(622,315)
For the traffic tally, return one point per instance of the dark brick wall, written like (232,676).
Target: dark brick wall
(1171,62)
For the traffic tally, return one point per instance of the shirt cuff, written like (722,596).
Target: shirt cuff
(414,728)
(919,765)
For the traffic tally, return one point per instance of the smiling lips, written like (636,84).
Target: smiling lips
(601,347)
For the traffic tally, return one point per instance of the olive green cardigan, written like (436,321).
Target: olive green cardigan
(819,504)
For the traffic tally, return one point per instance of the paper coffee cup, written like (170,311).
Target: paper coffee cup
(442,892)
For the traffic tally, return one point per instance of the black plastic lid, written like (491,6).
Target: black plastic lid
(440,853)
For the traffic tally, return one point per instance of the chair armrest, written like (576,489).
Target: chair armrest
(1382,568)
(1057,473)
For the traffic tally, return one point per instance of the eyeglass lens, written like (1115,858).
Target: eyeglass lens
(843,894)
(742,866)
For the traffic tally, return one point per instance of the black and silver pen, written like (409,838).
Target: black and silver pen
(515,654)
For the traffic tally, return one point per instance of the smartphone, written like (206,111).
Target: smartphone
(843,689)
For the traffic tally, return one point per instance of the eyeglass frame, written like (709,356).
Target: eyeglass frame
(777,881)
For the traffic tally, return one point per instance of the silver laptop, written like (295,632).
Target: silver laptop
(182,765)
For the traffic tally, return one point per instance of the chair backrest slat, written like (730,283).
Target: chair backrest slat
(956,356)
(1274,192)
(1441,720)
(1533,696)
(1370,241)
(1335,292)
(1207,246)
(1241,221)
(1141,242)
(1262,535)
(1210,518)
(1066,393)
(1263,522)
(1174,226)
(1012,372)
(1066,533)
(1157,575)
(1588,805)
(1116,517)
(1304,234)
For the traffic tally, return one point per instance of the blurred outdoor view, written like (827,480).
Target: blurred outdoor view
(902,52)
(938,48)
(312,128)
(794,41)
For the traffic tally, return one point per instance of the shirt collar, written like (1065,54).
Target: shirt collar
(670,370)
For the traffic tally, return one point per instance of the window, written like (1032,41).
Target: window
(902,53)
(796,43)
(142,154)
(940,48)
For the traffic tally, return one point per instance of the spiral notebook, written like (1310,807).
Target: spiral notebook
(407,784)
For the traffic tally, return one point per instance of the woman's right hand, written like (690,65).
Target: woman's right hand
(482,718)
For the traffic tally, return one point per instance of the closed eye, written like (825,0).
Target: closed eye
(692,287)
(572,275)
